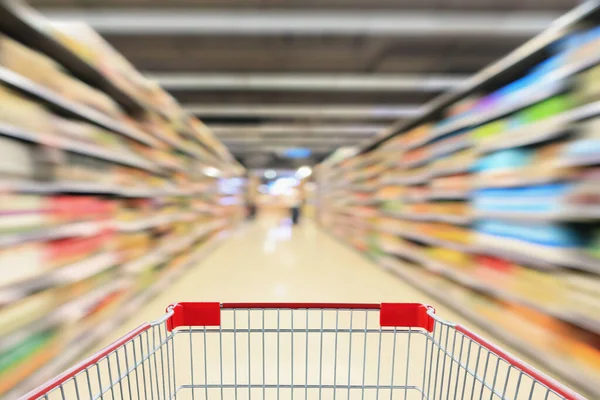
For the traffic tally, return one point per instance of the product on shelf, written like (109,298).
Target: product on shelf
(20,112)
(42,70)
(98,207)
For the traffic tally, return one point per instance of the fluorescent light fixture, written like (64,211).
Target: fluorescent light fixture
(303,172)
(211,171)
(323,111)
(436,23)
(249,132)
(309,82)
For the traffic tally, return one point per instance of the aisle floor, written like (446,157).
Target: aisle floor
(270,261)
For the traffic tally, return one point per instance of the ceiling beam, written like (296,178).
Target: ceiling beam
(267,22)
(308,82)
(324,111)
(292,141)
(223,131)
(266,148)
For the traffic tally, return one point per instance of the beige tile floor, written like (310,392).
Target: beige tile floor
(270,261)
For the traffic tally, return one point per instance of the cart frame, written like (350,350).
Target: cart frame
(449,370)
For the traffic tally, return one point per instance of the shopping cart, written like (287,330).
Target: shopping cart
(301,351)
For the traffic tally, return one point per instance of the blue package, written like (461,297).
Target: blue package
(529,199)
(547,234)
(583,147)
(509,158)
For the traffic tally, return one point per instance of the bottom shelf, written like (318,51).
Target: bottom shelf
(125,308)
(554,363)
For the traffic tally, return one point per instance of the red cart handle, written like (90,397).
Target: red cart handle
(414,315)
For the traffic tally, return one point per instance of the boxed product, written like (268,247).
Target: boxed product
(587,86)
(22,160)
(22,262)
(20,361)
(26,62)
(458,162)
(19,314)
(21,112)
(41,69)
(70,250)
(458,182)
(20,213)
(415,135)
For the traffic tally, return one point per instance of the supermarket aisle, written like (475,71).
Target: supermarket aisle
(268,260)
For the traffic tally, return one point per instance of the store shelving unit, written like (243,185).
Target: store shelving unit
(475,200)
(109,192)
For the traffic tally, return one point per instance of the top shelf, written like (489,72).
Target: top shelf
(497,73)
(21,23)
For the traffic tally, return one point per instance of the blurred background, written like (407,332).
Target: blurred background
(454,143)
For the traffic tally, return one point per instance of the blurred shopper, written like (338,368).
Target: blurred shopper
(294,202)
(251,195)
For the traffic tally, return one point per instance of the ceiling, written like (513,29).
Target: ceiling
(269,75)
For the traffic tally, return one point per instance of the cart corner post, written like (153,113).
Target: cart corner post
(194,314)
(413,315)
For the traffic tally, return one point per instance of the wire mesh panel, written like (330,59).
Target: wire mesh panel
(301,352)
(290,353)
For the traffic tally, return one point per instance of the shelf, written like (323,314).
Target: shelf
(449,195)
(555,363)
(417,179)
(540,91)
(50,187)
(519,177)
(579,160)
(566,213)
(406,253)
(24,24)
(154,257)
(526,135)
(452,170)
(466,280)
(408,216)
(72,108)
(180,145)
(417,163)
(60,315)
(151,222)
(536,254)
(45,233)
(451,127)
(429,240)
(71,273)
(178,175)
(93,334)
(521,59)
(65,144)
(89,228)
(539,131)
(163,252)
(447,150)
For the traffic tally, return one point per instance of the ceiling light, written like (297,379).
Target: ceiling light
(211,171)
(270,174)
(303,172)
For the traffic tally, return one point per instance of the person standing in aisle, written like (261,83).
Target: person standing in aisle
(294,202)
(251,194)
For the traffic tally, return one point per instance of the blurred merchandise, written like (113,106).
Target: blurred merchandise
(490,203)
(104,200)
